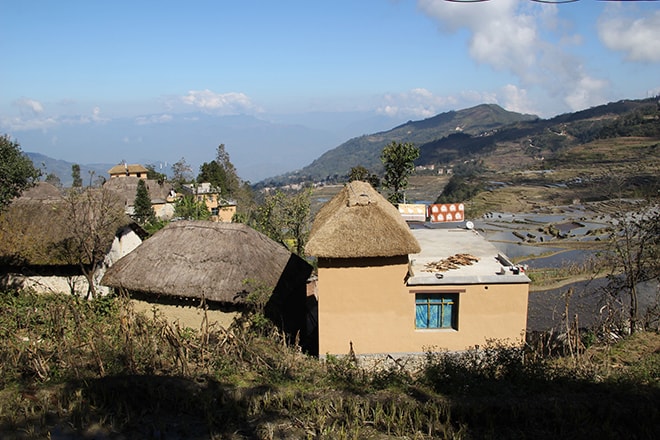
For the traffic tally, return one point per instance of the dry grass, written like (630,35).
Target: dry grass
(76,369)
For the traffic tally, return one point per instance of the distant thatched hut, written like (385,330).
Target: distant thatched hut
(221,263)
(160,193)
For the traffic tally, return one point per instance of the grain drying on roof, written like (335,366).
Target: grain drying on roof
(453,262)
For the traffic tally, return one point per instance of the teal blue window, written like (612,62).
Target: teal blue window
(436,310)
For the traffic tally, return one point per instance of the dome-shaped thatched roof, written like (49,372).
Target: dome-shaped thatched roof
(195,259)
(126,188)
(41,192)
(359,222)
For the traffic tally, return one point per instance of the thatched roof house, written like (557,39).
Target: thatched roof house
(161,194)
(201,259)
(359,222)
(41,192)
(126,188)
(373,274)
(126,170)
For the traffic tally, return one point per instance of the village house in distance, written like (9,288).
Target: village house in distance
(126,170)
(387,287)
(221,210)
(124,181)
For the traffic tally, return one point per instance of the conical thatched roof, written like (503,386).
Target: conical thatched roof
(196,259)
(359,222)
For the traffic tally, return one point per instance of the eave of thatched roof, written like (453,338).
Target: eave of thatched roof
(201,259)
(359,222)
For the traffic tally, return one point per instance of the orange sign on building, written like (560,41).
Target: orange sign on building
(448,212)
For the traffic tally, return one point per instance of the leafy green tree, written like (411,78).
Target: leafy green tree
(214,174)
(75,174)
(286,217)
(399,162)
(232,181)
(143,211)
(458,189)
(361,173)
(54,180)
(189,208)
(17,172)
(221,174)
(358,173)
(152,174)
(246,203)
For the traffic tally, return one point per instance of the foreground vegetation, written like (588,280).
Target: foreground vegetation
(71,368)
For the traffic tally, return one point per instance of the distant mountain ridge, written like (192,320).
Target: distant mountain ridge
(365,150)
(62,169)
(443,139)
(470,133)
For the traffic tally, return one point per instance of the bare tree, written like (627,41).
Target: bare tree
(635,254)
(92,217)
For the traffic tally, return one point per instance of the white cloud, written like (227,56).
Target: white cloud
(96,114)
(585,93)
(417,103)
(128,140)
(30,105)
(25,124)
(153,119)
(502,34)
(638,38)
(527,40)
(473,97)
(222,103)
(516,100)
(33,118)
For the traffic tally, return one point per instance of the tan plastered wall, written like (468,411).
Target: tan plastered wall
(185,316)
(226,213)
(367,303)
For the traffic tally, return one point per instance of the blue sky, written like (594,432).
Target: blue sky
(76,64)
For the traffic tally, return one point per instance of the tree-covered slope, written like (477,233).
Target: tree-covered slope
(365,150)
(455,136)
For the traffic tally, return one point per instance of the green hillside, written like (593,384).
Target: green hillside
(486,130)
(365,150)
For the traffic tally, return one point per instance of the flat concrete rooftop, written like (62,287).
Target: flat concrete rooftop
(441,242)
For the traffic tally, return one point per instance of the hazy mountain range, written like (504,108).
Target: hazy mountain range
(443,138)
(259,147)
